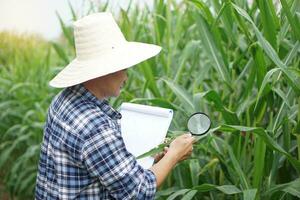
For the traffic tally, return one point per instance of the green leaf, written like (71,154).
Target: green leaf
(189,195)
(211,49)
(238,168)
(226,189)
(188,50)
(249,194)
(229,189)
(208,166)
(74,16)
(204,187)
(270,51)
(266,138)
(212,96)
(293,20)
(153,151)
(150,77)
(259,162)
(269,19)
(260,64)
(60,52)
(166,192)
(186,99)
(178,193)
(205,10)
(292,188)
(264,83)
(68,32)
(292,54)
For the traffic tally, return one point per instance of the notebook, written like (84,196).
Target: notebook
(143,128)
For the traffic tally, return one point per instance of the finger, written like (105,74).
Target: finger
(187,135)
(188,154)
(192,140)
(185,157)
(188,151)
(158,157)
(195,140)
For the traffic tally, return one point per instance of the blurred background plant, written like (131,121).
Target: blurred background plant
(236,60)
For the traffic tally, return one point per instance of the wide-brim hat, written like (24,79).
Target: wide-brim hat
(101,49)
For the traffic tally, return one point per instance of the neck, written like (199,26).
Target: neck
(95,90)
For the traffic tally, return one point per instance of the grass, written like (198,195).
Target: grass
(236,61)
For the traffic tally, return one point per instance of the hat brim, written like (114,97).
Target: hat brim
(121,57)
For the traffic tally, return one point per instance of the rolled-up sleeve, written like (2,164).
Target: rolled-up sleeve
(105,156)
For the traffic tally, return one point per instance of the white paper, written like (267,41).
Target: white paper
(143,128)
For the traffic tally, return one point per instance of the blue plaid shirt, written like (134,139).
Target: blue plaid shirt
(83,155)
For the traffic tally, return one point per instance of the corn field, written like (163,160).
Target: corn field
(236,60)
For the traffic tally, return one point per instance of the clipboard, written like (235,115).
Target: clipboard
(144,127)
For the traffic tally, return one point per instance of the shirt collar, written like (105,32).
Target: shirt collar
(103,104)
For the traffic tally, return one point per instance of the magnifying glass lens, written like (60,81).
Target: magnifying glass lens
(199,123)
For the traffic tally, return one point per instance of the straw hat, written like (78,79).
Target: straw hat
(101,49)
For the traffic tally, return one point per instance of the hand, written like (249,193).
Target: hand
(160,155)
(182,147)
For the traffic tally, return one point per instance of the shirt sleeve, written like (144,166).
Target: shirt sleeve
(105,156)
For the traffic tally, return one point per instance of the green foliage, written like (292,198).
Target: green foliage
(236,61)
(24,99)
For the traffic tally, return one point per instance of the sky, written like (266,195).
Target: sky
(38,16)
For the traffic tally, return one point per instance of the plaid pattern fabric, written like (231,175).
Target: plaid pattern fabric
(83,155)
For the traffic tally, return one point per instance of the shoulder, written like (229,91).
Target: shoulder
(80,115)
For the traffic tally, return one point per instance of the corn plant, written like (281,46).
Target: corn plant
(24,99)
(239,63)
(236,60)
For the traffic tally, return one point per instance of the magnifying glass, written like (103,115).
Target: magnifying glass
(199,123)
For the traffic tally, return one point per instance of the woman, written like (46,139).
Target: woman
(83,155)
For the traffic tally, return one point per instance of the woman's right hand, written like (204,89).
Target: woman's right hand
(181,147)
